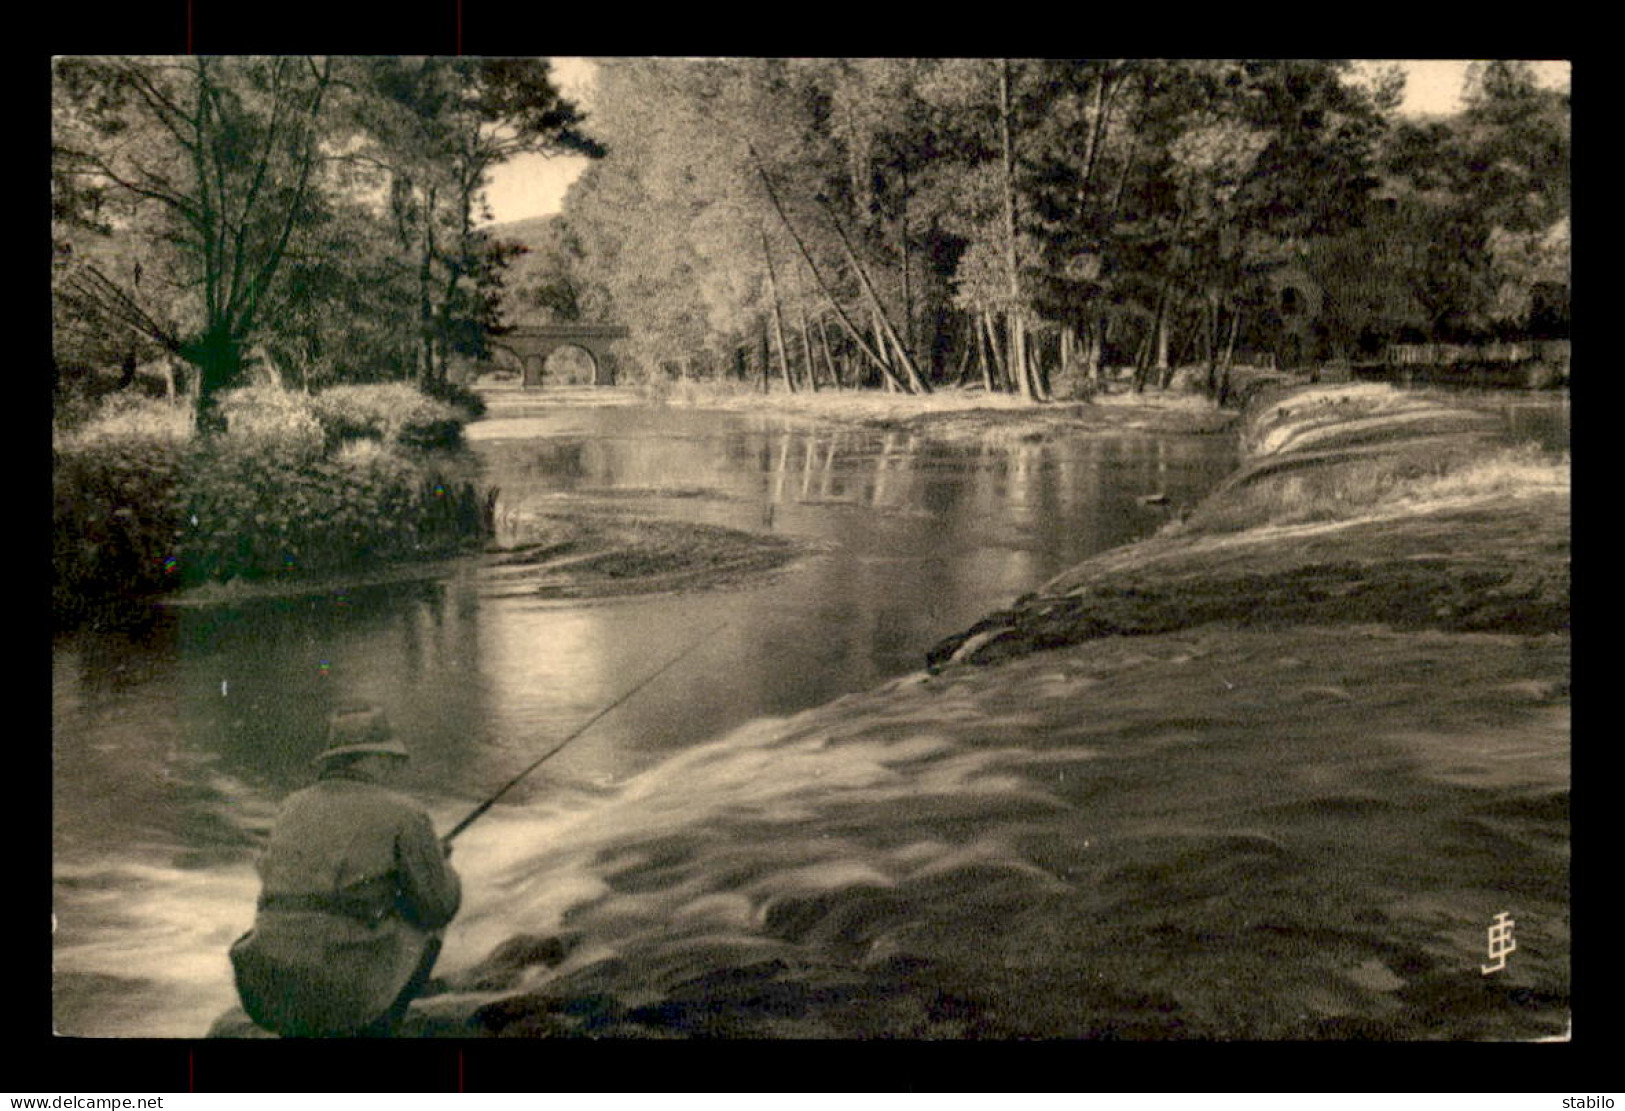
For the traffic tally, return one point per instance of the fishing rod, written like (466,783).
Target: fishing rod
(475,814)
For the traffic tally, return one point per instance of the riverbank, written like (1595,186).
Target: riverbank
(949,413)
(1358,504)
(299,490)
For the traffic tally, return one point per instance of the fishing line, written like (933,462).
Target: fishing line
(479,810)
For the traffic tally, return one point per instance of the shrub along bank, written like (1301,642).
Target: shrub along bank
(297,484)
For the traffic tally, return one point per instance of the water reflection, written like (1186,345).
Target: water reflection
(173,748)
(1541,418)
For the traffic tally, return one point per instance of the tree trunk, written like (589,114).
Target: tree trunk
(425,362)
(908,363)
(1142,357)
(979,341)
(1229,352)
(1013,321)
(916,384)
(1101,123)
(1040,370)
(778,314)
(1095,358)
(1230,340)
(908,291)
(963,371)
(1068,338)
(806,330)
(1193,337)
(1162,339)
(219,360)
(829,353)
(1210,354)
(1002,379)
(762,350)
(852,329)
(889,382)
(1156,352)
(807,348)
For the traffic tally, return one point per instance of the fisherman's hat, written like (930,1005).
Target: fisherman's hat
(357,731)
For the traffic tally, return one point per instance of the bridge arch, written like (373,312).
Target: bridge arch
(533,343)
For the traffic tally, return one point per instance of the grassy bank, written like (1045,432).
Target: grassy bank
(961,413)
(297,485)
(1359,504)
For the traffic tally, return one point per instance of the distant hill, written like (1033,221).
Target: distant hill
(528,271)
(531,232)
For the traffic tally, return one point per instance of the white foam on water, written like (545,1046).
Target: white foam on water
(160,932)
(695,851)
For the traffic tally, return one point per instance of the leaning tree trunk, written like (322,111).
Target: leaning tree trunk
(807,348)
(890,382)
(963,371)
(778,315)
(916,384)
(829,353)
(1040,371)
(806,330)
(853,332)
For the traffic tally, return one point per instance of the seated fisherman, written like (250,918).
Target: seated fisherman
(356,893)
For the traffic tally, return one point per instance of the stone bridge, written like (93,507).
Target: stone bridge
(531,344)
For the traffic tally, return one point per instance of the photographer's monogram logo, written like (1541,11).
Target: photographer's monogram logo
(1501,942)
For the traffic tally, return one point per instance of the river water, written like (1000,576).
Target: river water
(1544,419)
(794,833)
(173,746)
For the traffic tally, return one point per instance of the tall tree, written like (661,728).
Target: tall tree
(317,211)
(436,127)
(219,160)
(1485,196)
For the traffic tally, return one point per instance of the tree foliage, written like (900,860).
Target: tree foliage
(1484,196)
(1040,217)
(316,216)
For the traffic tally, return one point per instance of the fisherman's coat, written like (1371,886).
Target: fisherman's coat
(355,889)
